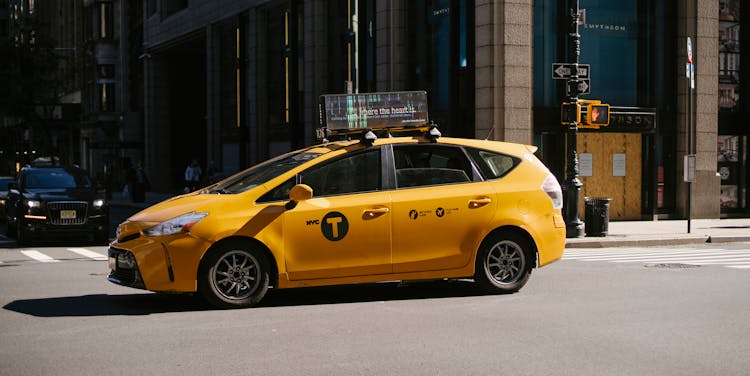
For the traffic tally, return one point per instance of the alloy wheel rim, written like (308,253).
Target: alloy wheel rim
(505,262)
(236,275)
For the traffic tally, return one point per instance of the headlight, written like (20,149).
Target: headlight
(181,224)
(33,203)
(98,203)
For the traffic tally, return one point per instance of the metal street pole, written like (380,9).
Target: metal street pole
(573,223)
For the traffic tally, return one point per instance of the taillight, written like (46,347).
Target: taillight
(552,188)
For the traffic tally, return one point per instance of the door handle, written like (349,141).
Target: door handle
(374,212)
(479,202)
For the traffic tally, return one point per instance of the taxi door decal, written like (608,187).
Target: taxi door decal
(334,226)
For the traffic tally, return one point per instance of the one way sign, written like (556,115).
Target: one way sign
(564,71)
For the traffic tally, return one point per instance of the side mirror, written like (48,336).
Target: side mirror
(299,192)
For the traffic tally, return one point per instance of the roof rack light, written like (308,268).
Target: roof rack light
(368,114)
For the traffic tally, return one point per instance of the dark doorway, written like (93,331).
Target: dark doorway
(186,79)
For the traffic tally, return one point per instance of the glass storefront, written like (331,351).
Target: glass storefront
(629,46)
(732,142)
(441,35)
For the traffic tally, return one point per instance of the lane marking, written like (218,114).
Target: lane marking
(90,254)
(737,259)
(38,256)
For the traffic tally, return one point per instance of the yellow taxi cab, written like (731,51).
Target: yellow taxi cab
(364,210)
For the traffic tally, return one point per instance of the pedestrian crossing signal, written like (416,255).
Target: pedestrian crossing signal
(597,114)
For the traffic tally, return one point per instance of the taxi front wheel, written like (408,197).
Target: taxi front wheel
(234,276)
(504,263)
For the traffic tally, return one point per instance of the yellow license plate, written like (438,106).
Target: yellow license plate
(67,214)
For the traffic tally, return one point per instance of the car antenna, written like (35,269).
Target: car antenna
(489,133)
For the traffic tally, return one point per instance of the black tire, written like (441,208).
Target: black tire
(234,276)
(504,263)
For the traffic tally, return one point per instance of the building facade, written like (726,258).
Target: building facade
(240,81)
(233,82)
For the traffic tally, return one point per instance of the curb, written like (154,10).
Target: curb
(651,241)
(728,238)
(639,241)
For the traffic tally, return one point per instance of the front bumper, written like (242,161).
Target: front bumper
(123,269)
(43,225)
(161,264)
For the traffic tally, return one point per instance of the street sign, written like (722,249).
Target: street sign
(688,169)
(563,71)
(584,87)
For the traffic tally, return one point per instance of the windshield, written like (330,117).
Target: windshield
(261,173)
(56,178)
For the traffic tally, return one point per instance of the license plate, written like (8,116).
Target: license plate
(67,214)
(112,263)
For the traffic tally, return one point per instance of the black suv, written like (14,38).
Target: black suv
(56,201)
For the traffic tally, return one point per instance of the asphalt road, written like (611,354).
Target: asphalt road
(574,317)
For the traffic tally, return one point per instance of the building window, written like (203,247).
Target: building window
(102,22)
(441,36)
(729,55)
(170,7)
(106,87)
(105,21)
(150,7)
(106,96)
(106,71)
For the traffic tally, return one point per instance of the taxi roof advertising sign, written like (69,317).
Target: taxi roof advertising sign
(374,110)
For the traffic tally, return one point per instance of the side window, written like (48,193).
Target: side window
(280,193)
(493,165)
(355,173)
(422,165)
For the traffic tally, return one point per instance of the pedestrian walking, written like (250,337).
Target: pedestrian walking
(192,176)
(141,184)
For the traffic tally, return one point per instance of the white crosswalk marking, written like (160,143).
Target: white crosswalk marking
(90,254)
(730,258)
(38,256)
(61,254)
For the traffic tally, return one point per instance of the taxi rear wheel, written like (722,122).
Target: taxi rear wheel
(504,263)
(234,276)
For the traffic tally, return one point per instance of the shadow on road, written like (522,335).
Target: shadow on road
(152,303)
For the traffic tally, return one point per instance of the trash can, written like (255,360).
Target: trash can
(596,214)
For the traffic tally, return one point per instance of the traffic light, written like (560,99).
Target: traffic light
(570,113)
(597,114)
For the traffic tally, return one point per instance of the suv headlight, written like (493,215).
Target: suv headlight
(181,224)
(98,203)
(33,204)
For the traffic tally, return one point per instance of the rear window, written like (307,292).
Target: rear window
(493,165)
(424,165)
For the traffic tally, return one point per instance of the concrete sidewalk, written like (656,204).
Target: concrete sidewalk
(667,232)
(620,233)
